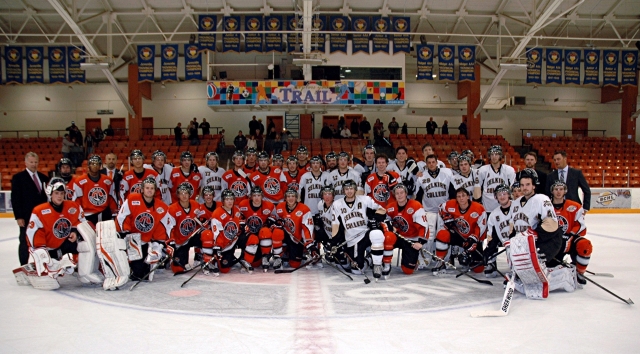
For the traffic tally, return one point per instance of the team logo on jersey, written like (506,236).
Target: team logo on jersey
(563,223)
(474,215)
(144,222)
(266,212)
(72,211)
(68,193)
(572,208)
(462,226)
(62,228)
(46,211)
(239,188)
(136,188)
(230,230)
(381,193)
(401,224)
(294,185)
(135,202)
(254,223)
(187,227)
(410,211)
(289,226)
(160,210)
(298,213)
(97,196)
(271,186)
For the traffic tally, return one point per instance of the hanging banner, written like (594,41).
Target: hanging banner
(629,67)
(206,28)
(74,56)
(380,42)
(360,42)
(273,41)
(35,65)
(338,40)
(591,67)
(318,39)
(466,63)
(554,66)
(446,62)
(572,66)
(57,65)
(192,63)
(253,41)
(169,62)
(425,62)
(13,62)
(401,43)
(294,40)
(534,66)
(146,62)
(231,37)
(610,67)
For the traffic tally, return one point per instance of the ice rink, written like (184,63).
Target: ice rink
(321,311)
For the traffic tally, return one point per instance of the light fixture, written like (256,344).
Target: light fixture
(347,70)
(446,85)
(621,90)
(434,76)
(94,66)
(163,86)
(513,66)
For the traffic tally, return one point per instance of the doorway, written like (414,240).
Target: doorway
(147,126)
(119,126)
(277,121)
(579,127)
(348,118)
(330,121)
(90,124)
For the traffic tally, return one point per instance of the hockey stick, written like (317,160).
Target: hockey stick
(627,301)
(608,275)
(215,257)
(336,268)
(313,260)
(454,267)
(355,265)
(477,265)
(504,306)
(160,264)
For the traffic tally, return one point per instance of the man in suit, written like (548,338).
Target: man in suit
(572,177)
(27,192)
(112,172)
(530,160)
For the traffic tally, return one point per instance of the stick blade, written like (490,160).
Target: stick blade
(488,313)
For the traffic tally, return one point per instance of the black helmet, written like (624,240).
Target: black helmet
(136,153)
(278,157)
(515,185)
(64,161)
(291,191)
(149,180)
(529,173)
(263,155)
(186,155)
(343,154)
(495,149)
(330,156)
(302,150)
(368,147)
(212,153)
(327,189)
(185,187)
(227,194)
(453,155)
(401,186)
(464,158)
(558,184)
(158,153)
(251,151)
(94,159)
(315,158)
(501,188)
(256,190)
(292,158)
(208,190)
(349,184)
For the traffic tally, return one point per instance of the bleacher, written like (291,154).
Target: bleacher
(604,161)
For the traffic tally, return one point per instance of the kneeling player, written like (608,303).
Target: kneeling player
(297,223)
(322,224)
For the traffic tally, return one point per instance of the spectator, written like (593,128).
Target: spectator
(177,131)
(77,152)
(221,145)
(341,123)
(378,126)
(405,129)
(98,136)
(193,133)
(270,125)
(445,127)
(365,128)
(286,139)
(240,141)
(66,146)
(71,127)
(252,143)
(355,127)
(326,132)
(431,126)
(393,126)
(345,133)
(530,160)
(194,123)
(271,137)
(88,145)
(334,132)
(277,144)
(572,177)
(108,131)
(378,133)
(463,128)
(253,125)
(259,138)
(205,126)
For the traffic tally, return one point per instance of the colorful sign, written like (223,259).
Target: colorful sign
(554,66)
(401,43)
(35,65)
(629,67)
(231,37)
(273,40)
(446,58)
(572,66)
(338,39)
(192,62)
(610,198)
(146,63)
(380,42)
(610,67)
(207,36)
(57,65)
(534,66)
(360,42)
(425,62)
(252,40)
(13,62)
(592,67)
(169,62)
(466,63)
(75,57)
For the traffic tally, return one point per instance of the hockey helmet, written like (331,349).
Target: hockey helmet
(136,153)
(558,184)
(277,157)
(302,150)
(316,158)
(344,155)
(291,191)
(468,153)
(158,153)
(55,184)
(263,155)
(64,161)
(464,158)
(368,147)
(529,173)
(184,187)
(515,185)
(327,189)
(256,190)
(212,153)
(251,151)
(453,155)
(226,194)
(208,190)
(349,184)
(238,153)
(186,155)
(149,180)
(94,159)
(292,158)
(495,149)
(501,188)
(401,186)
(330,156)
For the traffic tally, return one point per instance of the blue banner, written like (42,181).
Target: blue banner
(273,41)
(425,62)
(146,62)
(318,39)
(13,62)
(591,67)
(169,62)
(629,67)
(610,67)
(401,43)
(466,63)
(534,66)
(360,42)
(192,63)
(446,57)
(206,28)
(35,65)
(380,42)
(231,37)
(75,57)
(253,41)
(294,40)
(572,66)
(554,66)
(57,65)
(338,40)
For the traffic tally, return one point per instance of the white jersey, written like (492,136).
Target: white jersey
(489,179)
(337,179)
(326,214)
(365,171)
(436,189)
(468,182)
(353,218)
(408,178)
(422,165)
(530,213)
(498,224)
(212,178)
(310,189)
(163,179)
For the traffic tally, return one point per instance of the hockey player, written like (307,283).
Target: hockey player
(267,178)
(379,185)
(132,179)
(303,160)
(236,180)
(498,229)
(453,160)
(433,187)
(406,168)
(160,166)
(311,183)
(93,191)
(277,160)
(211,173)
(342,174)
(297,223)
(492,175)
(63,169)
(260,215)
(427,149)
(186,172)
(290,177)
(465,177)
(475,164)
(208,202)
(323,229)
(332,161)
(516,191)
(461,222)
(368,164)
(251,163)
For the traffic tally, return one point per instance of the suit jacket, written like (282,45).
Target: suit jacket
(117,178)
(575,180)
(25,195)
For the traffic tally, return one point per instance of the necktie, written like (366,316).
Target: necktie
(35,180)
(562,176)
(111,174)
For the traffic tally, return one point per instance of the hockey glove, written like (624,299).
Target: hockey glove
(170,248)
(312,249)
(373,225)
(470,244)
(317,222)
(217,251)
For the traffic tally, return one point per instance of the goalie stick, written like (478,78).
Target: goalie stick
(507,298)
(454,267)
(160,264)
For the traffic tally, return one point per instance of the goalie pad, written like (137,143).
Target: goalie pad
(112,253)
(27,275)
(531,273)
(154,256)
(564,278)
(88,272)
(47,266)
(134,246)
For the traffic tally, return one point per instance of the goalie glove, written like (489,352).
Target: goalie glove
(470,244)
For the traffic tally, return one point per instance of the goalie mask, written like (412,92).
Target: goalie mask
(56,184)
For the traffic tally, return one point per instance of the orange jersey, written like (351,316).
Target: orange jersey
(473,222)
(298,223)
(92,196)
(249,170)
(132,182)
(287,181)
(226,227)
(571,218)
(256,218)
(49,228)
(182,223)
(269,183)
(150,220)
(237,183)
(380,188)
(68,189)
(409,221)
(304,168)
(178,177)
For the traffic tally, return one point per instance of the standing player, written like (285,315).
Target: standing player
(331,160)
(186,172)
(498,230)
(297,224)
(93,191)
(311,183)
(453,160)
(303,160)
(433,187)
(64,171)
(290,177)
(492,175)
(211,174)
(342,174)
(208,202)
(379,185)
(132,179)
(427,149)
(277,160)
(236,179)
(251,164)
(516,191)
(406,168)
(163,169)
(259,215)
(267,179)
(465,177)
(368,166)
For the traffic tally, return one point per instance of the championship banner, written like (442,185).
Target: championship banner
(230,37)
(35,65)
(401,43)
(74,56)
(318,39)
(146,62)
(591,67)
(338,40)
(299,92)
(466,63)
(446,59)
(192,63)
(572,66)
(273,41)
(169,62)
(380,41)
(534,66)
(554,66)
(206,28)
(425,61)
(294,40)
(629,65)
(253,41)
(360,42)
(610,198)
(13,62)
(610,67)
(57,65)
